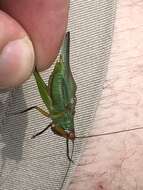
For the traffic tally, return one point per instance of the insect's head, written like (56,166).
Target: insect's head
(68,134)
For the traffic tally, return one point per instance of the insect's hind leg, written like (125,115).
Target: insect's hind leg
(33,107)
(39,133)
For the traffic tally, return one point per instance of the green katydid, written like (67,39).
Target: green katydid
(59,97)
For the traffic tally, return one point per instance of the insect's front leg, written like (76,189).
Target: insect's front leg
(39,133)
(33,107)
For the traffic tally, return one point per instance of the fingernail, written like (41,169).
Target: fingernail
(16,62)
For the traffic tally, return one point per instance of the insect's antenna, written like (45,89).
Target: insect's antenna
(67,143)
(69,165)
(109,133)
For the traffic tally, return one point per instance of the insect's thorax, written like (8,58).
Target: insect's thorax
(64,125)
(64,120)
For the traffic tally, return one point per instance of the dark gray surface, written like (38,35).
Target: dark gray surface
(41,163)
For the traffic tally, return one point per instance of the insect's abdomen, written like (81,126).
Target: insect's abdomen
(58,93)
(61,87)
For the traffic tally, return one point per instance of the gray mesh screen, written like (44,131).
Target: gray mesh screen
(41,163)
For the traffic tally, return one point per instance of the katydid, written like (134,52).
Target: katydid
(59,96)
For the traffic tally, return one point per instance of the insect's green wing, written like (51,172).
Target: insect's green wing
(68,77)
(61,86)
(43,90)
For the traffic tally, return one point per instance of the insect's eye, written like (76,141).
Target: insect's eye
(71,135)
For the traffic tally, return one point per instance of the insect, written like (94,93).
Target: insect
(59,97)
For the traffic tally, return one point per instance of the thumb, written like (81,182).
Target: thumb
(16,53)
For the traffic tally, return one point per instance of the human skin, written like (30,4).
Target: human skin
(115,162)
(31,33)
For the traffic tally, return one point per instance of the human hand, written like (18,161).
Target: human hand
(31,32)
